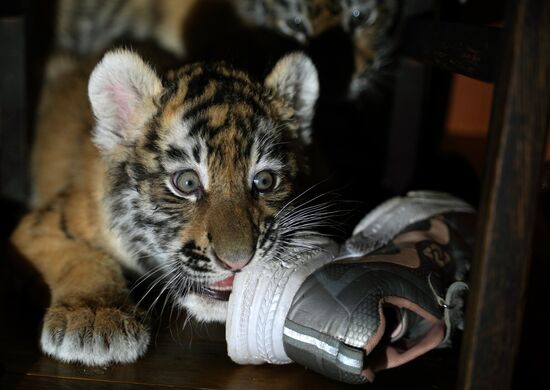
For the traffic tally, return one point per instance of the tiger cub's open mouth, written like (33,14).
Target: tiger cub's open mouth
(220,290)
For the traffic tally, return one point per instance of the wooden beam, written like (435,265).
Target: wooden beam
(466,49)
(517,139)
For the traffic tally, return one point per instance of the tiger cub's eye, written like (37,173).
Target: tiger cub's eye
(186,182)
(264,181)
(296,24)
(358,18)
(356,13)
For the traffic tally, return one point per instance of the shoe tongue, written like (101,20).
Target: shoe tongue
(260,301)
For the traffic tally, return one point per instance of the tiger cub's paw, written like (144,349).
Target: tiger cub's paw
(94,336)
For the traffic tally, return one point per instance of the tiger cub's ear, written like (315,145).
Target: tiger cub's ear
(121,89)
(294,78)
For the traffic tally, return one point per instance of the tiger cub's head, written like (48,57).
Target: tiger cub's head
(300,20)
(304,20)
(202,166)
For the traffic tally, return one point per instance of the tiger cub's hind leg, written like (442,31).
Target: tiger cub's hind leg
(90,319)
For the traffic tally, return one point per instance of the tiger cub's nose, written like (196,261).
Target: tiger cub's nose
(233,262)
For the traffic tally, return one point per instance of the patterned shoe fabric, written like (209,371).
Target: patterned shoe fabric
(395,292)
(392,292)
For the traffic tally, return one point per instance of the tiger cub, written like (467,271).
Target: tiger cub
(186,179)
(369,24)
(89,26)
(86,27)
(298,19)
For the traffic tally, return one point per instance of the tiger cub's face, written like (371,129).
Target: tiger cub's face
(201,166)
(303,20)
(300,20)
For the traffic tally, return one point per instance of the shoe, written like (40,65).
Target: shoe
(392,292)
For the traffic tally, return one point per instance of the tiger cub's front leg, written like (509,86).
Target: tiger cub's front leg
(90,319)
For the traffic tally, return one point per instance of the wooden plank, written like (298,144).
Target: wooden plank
(466,49)
(518,132)
(29,382)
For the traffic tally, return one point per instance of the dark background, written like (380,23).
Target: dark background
(365,151)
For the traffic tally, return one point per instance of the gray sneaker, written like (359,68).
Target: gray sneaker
(395,292)
(392,292)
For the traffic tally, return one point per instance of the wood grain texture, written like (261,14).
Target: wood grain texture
(517,139)
(31,382)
